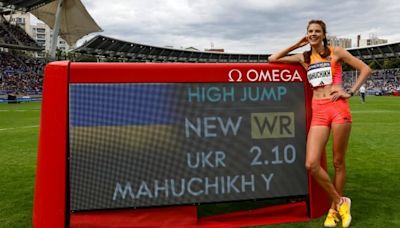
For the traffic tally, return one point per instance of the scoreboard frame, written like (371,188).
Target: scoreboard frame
(52,184)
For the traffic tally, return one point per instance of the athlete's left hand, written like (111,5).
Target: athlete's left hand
(340,93)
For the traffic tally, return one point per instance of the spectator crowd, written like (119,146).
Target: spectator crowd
(382,82)
(20,75)
(23,75)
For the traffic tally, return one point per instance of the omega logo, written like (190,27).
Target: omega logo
(270,75)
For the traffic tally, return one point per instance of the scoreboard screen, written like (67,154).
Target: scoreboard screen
(143,144)
(151,144)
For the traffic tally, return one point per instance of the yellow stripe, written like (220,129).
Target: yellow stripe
(126,136)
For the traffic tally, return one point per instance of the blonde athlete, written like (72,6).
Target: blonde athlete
(330,110)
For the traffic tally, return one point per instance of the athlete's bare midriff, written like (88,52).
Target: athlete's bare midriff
(324,92)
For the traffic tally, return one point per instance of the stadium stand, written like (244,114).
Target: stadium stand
(20,74)
(12,36)
(382,82)
(107,47)
(377,52)
(102,48)
(10,5)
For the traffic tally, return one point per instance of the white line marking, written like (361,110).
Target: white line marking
(19,110)
(14,128)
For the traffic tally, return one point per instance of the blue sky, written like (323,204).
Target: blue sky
(241,26)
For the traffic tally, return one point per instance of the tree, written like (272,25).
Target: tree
(387,63)
(375,65)
(396,63)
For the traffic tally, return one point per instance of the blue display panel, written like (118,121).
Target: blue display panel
(155,144)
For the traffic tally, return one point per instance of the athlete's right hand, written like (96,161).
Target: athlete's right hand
(302,42)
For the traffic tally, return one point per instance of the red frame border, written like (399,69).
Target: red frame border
(51,200)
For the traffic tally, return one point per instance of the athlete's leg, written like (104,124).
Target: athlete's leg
(316,143)
(341,135)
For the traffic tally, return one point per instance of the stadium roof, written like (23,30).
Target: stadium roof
(377,52)
(110,47)
(6,6)
(75,20)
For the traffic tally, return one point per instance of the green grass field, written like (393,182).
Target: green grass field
(373,163)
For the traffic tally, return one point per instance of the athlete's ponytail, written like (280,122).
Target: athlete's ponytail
(327,51)
(307,56)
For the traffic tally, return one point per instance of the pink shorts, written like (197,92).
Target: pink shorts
(326,112)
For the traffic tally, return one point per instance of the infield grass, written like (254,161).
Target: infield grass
(373,164)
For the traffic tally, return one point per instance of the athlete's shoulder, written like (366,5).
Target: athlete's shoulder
(338,52)
(337,49)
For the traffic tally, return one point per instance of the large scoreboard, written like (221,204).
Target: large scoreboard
(132,137)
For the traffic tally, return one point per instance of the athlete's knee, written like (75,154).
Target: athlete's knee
(339,164)
(312,167)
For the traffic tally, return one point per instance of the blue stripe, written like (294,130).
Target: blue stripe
(123,104)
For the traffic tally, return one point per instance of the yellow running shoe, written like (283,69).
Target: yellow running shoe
(344,211)
(332,219)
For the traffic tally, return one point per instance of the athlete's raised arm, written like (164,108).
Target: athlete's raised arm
(282,56)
